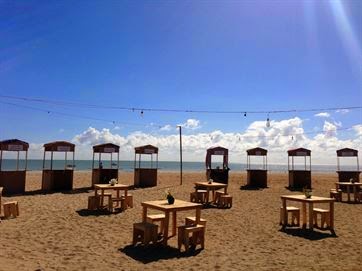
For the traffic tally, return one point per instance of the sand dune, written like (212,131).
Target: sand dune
(55,231)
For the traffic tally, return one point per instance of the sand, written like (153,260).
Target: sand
(55,231)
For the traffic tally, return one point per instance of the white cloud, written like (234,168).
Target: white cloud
(329,129)
(167,127)
(323,115)
(117,128)
(191,124)
(358,129)
(277,140)
(343,111)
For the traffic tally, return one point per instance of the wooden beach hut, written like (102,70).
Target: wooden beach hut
(102,173)
(13,180)
(299,176)
(346,174)
(145,176)
(218,174)
(55,178)
(257,177)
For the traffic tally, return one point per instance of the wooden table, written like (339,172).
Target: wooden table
(210,187)
(117,187)
(162,205)
(349,185)
(310,201)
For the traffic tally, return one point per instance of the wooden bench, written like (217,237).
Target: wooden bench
(93,202)
(337,195)
(324,218)
(129,201)
(191,221)
(294,211)
(198,236)
(11,209)
(145,233)
(225,201)
(198,196)
(157,218)
(122,200)
(218,194)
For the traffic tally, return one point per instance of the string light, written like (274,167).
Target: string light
(96,106)
(267,122)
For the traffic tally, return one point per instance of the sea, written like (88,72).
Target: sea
(37,164)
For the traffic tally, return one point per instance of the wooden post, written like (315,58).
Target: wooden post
(180,128)
(1,158)
(17,161)
(65,160)
(26,160)
(51,161)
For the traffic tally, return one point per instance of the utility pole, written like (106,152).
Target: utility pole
(180,130)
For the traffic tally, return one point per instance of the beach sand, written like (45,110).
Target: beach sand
(55,231)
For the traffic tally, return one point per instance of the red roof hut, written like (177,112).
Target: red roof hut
(102,173)
(13,180)
(257,177)
(217,174)
(345,175)
(145,176)
(299,177)
(58,179)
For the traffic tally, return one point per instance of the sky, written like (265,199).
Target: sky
(73,70)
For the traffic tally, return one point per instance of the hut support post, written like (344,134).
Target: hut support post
(357,164)
(93,161)
(73,162)
(157,161)
(151,160)
(338,163)
(51,160)
(1,158)
(111,161)
(26,160)
(139,161)
(44,160)
(65,160)
(17,161)
(135,162)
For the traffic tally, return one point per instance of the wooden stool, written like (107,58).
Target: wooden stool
(225,201)
(198,236)
(324,218)
(295,215)
(157,218)
(11,209)
(198,197)
(93,202)
(191,221)
(217,196)
(145,233)
(122,200)
(129,200)
(337,195)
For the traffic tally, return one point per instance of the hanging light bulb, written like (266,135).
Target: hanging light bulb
(141,113)
(267,121)
(245,114)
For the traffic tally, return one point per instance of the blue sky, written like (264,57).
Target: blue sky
(201,55)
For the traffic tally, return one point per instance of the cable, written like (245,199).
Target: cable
(142,109)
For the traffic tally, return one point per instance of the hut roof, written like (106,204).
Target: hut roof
(14,145)
(217,151)
(106,148)
(299,152)
(257,151)
(146,149)
(61,146)
(347,152)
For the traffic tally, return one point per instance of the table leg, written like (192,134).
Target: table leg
(207,195)
(285,213)
(198,215)
(348,195)
(144,214)
(102,197)
(304,214)
(225,190)
(165,229)
(117,195)
(310,215)
(354,193)
(331,215)
(174,218)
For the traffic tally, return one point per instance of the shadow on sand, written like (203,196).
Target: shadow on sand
(248,187)
(100,212)
(308,234)
(152,253)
